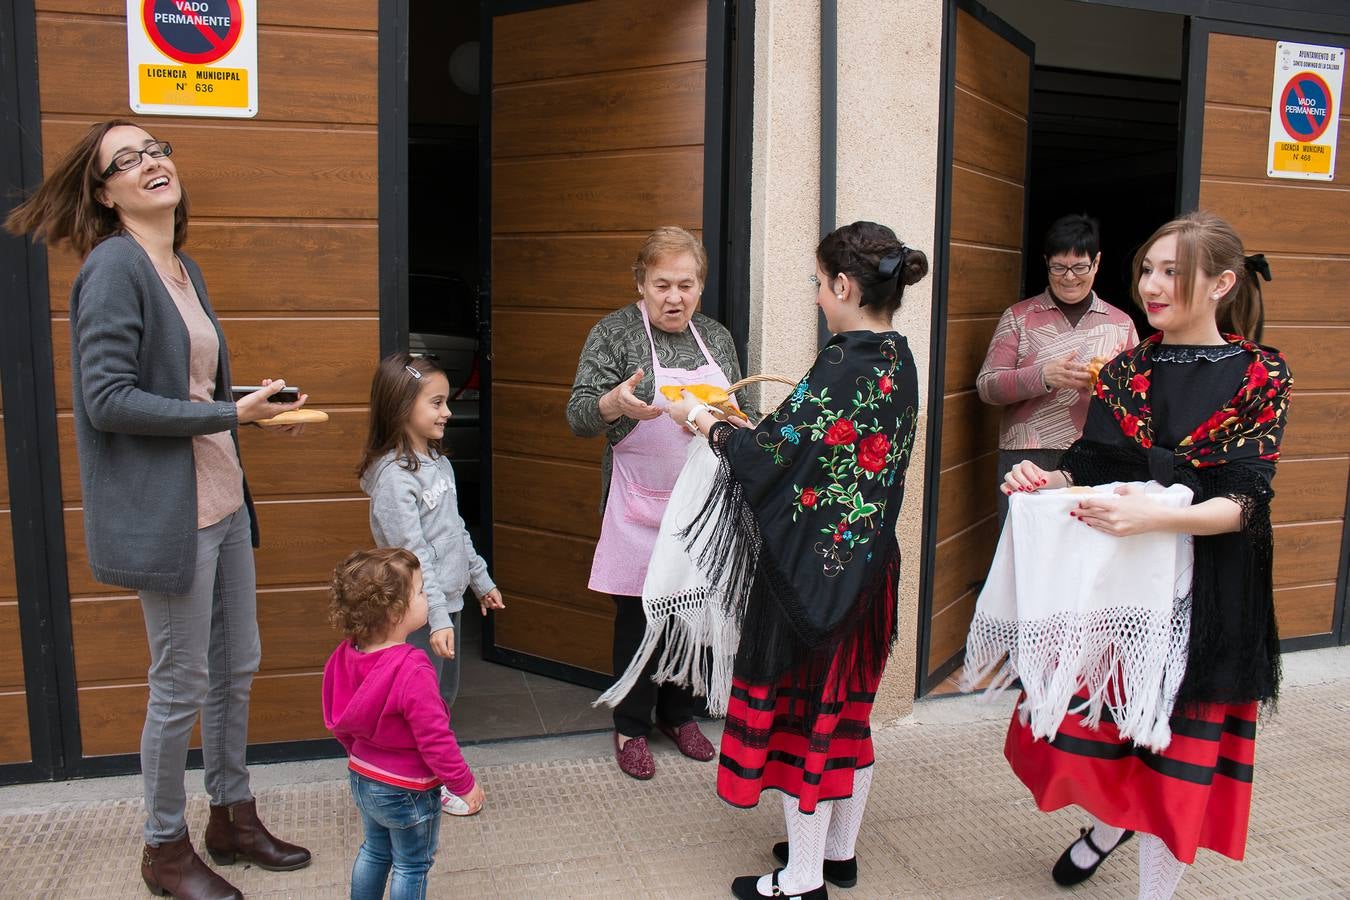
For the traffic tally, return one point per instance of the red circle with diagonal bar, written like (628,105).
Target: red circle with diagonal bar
(1306,107)
(193,31)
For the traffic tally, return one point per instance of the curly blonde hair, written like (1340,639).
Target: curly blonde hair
(370,592)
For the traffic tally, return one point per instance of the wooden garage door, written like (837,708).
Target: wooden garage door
(284,228)
(597,137)
(988,179)
(1303,227)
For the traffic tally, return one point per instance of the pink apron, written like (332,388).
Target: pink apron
(646,463)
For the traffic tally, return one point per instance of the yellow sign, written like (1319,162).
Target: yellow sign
(1290,157)
(1305,111)
(183,85)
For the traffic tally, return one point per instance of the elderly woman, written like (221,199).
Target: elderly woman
(1037,364)
(655,342)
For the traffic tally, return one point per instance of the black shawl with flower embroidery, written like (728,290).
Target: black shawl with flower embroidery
(804,510)
(1234,643)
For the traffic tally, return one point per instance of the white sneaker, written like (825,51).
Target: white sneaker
(453,804)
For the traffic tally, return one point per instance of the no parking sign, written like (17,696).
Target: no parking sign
(1304,108)
(193,57)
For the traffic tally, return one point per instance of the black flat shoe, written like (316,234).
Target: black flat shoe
(838,872)
(1067,873)
(747,888)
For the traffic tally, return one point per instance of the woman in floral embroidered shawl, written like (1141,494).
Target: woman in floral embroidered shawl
(1199,406)
(802,518)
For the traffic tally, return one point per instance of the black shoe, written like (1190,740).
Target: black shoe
(747,888)
(1068,873)
(838,872)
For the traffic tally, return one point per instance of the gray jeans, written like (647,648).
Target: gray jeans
(1046,459)
(204,649)
(447,670)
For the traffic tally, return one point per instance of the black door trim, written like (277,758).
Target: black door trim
(923,682)
(31,446)
(1327,16)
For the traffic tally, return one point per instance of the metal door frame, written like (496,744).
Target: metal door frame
(937,354)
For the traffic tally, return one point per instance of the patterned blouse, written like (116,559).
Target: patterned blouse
(1030,334)
(616,348)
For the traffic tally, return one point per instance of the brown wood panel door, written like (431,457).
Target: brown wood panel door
(285,229)
(1307,312)
(597,138)
(990,101)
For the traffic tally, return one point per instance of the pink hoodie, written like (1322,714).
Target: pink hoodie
(386,710)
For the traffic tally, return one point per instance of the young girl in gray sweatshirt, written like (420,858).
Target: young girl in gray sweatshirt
(414,504)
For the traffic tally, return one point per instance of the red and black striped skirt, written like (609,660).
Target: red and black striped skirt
(1196,793)
(766,743)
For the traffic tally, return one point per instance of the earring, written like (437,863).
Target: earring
(840,296)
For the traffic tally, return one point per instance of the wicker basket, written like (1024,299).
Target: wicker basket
(757,379)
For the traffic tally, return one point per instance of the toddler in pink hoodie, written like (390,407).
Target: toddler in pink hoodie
(381,700)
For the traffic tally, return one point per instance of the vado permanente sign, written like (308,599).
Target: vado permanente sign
(193,57)
(1305,104)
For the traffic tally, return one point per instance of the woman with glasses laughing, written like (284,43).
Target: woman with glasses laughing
(166,509)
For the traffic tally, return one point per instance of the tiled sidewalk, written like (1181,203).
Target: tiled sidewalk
(945,819)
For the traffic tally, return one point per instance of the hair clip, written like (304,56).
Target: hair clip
(414,373)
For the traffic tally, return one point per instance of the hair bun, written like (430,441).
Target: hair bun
(915,266)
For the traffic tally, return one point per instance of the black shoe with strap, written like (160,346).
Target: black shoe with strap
(838,872)
(747,888)
(1067,873)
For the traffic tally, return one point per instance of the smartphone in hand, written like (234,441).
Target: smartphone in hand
(285,395)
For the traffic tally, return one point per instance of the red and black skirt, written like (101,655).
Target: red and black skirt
(1196,793)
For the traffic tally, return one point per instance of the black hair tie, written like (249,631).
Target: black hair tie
(1256,265)
(889,265)
(889,269)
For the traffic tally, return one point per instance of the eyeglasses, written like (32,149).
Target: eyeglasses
(815,281)
(1059,270)
(130,159)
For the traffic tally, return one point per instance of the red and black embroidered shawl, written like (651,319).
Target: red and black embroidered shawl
(1230,451)
(803,514)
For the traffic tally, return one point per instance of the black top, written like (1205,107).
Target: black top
(1175,394)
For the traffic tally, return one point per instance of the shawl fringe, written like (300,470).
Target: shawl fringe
(775,644)
(1228,635)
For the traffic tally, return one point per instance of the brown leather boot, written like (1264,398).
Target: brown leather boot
(175,869)
(234,832)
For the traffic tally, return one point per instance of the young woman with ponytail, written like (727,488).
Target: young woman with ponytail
(1198,406)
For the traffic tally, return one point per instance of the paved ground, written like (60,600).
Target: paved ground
(946,819)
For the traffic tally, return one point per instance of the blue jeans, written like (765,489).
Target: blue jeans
(402,828)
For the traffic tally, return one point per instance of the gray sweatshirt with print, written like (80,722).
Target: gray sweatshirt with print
(419,511)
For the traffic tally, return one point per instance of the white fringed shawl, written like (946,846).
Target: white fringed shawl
(1071,607)
(680,605)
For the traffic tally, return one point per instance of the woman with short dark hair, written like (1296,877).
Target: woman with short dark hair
(1039,366)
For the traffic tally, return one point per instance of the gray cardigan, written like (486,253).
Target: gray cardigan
(134,422)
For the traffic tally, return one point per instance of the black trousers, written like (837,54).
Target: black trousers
(674,705)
